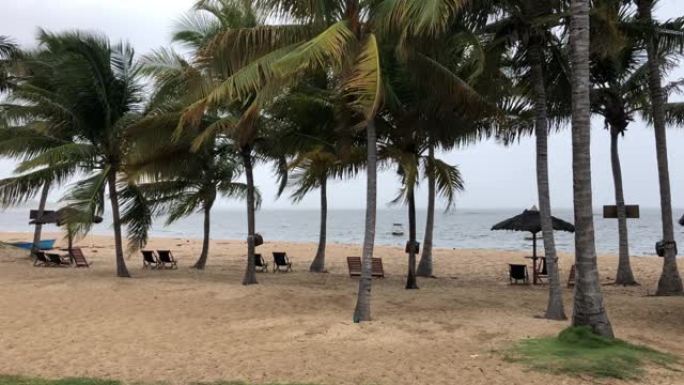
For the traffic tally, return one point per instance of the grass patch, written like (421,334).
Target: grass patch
(578,351)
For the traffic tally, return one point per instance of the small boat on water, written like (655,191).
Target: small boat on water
(397,229)
(45,244)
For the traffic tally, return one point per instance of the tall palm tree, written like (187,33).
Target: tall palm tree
(95,96)
(207,31)
(339,36)
(405,148)
(670,282)
(316,143)
(525,26)
(588,307)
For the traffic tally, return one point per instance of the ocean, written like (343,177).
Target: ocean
(460,228)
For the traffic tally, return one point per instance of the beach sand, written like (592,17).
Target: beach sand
(181,326)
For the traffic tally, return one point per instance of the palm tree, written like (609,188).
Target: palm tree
(405,148)
(205,30)
(8,51)
(525,27)
(588,307)
(316,143)
(178,180)
(337,36)
(94,95)
(670,282)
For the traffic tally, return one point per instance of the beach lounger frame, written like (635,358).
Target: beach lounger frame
(150,259)
(281,262)
(517,272)
(78,258)
(260,263)
(354,265)
(166,258)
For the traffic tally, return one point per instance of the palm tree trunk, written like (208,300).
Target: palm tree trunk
(670,283)
(250,272)
(588,307)
(39,226)
(411,276)
(318,264)
(554,308)
(425,264)
(121,270)
(362,312)
(624,272)
(202,261)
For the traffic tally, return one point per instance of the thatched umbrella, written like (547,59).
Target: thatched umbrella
(529,221)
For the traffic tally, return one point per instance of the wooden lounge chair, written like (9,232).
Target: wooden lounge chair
(41,259)
(518,273)
(150,259)
(281,262)
(56,260)
(354,264)
(166,258)
(77,256)
(260,263)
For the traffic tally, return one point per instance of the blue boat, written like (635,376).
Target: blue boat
(45,244)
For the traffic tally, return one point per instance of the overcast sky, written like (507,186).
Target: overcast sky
(495,176)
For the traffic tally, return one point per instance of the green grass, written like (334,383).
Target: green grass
(578,351)
(16,380)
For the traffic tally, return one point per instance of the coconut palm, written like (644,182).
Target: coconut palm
(338,36)
(94,97)
(8,51)
(317,145)
(588,306)
(179,180)
(524,27)
(620,88)
(670,282)
(406,149)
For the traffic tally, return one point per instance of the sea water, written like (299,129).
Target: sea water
(460,228)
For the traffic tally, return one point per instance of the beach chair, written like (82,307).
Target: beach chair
(260,263)
(40,259)
(281,262)
(166,258)
(518,273)
(77,256)
(56,259)
(150,259)
(354,265)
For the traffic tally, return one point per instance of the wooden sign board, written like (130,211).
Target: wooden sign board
(611,211)
(33,214)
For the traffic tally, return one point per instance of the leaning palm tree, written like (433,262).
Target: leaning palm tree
(588,307)
(670,282)
(95,90)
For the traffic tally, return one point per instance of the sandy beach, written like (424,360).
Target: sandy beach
(182,326)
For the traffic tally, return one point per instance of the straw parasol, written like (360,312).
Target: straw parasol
(529,221)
